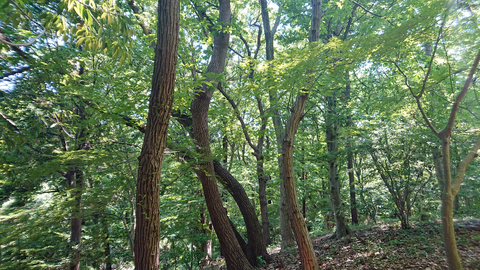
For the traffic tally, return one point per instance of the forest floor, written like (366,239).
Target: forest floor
(389,247)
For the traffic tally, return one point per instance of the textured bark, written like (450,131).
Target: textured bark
(147,230)
(297,221)
(331,128)
(75,181)
(304,243)
(288,239)
(256,245)
(230,247)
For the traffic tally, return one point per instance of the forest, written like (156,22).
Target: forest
(228,134)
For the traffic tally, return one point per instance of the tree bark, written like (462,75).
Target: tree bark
(256,245)
(351,175)
(331,127)
(75,181)
(288,239)
(147,230)
(232,250)
(297,221)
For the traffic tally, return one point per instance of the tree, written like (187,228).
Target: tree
(147,230)
(199,107)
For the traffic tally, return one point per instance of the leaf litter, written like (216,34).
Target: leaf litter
(387,247)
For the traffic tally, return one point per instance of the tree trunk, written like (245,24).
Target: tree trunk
(147,230)
(206,247)
(262,195)
(232,250)
(448,230)
(351,175)
(256,245)
(305,246)
(297,221)
(331,126)
(351,180)
(288,239)
(75,181)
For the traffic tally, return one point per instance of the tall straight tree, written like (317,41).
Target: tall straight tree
(147,230)
(231,248)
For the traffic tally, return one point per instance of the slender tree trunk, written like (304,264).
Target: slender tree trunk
(351,175)
(297,221)
(351,180)
(288,239)
(147,230)
(331,126)
(107,253)
(451,251)
(262,195)
(75,181)
(206,247)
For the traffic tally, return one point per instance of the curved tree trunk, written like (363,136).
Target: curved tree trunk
(230,247)
(256,245)
(147,230)
(286,232)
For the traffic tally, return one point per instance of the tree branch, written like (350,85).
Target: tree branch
(457,181)
(451,120)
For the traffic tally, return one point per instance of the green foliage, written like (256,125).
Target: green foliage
(88,80)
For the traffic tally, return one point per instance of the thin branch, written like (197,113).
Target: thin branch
(239,117)
(457,182)
(417,99)
(374,14)
(451,120)
(33,40)
(277,22)
(429,70)
(14,72)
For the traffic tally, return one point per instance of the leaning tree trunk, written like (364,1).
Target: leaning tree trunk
(232,250)
(297,221)
(256,245)
(288,239)
(147,230)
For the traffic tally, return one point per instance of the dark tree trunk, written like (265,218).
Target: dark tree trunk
(147,230)
(331,125)
(351,175)
(75,181)
(256,244)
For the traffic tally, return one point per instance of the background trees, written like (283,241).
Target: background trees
(74,108)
